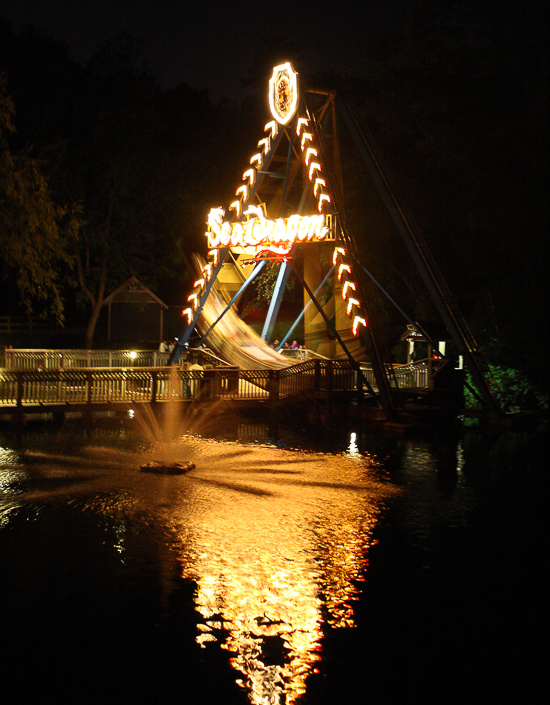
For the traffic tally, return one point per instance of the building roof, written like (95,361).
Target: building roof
(433,329)
(133,292)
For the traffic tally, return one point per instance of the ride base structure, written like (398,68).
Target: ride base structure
(288,209)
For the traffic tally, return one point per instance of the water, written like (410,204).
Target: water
(287,567)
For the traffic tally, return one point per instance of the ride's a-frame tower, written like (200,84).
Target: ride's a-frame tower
(290,197)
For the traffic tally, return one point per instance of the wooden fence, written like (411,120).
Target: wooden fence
(46,388)
(33,359)
(23,324)
(38,359)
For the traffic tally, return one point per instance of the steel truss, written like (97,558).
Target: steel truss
(281,186)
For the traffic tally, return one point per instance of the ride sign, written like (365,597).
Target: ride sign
(258,232)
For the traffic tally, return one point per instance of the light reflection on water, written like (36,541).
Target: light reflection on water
(275,552)
(274,540)
(129,587)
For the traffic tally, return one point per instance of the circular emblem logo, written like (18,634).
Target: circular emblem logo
(283,93)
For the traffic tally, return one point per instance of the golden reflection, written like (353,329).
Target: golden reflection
(353,449)
(11,477)
(276,549)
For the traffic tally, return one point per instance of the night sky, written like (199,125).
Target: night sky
(212,46)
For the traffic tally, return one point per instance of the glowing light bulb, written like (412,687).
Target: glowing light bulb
(343,268)
(358,321)
(237,207)
(309,152)
(314,166)
(244,190)
(257,159)
(347,285)
(318,183)
(271,127)
(323,197)
(266,143)
(250,175)
(337,251)
(351,303)
(302,122)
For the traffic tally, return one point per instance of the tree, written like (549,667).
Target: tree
(141,165)
(118,168)
(34,229)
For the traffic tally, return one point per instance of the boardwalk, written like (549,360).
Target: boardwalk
(38,385)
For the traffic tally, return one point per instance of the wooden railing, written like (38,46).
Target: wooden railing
(98,385)
(153,384)
(21,359)
(418,375)
(34,359)
(95,385)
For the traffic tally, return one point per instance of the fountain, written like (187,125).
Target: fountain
(160,467)
(164,431)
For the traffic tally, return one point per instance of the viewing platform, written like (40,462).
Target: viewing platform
(61,381)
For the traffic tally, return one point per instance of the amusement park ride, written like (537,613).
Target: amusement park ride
(289,198)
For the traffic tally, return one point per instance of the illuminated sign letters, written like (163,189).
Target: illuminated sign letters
(264,234)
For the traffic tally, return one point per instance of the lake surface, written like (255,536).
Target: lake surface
(288,566)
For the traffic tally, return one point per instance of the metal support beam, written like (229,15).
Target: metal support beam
(287,172)
(350,357)
(303,311)
(415,325)
(184,338)
(368,336)
(276,299)
(282,278)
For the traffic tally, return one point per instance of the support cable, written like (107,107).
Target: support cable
(414,241)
